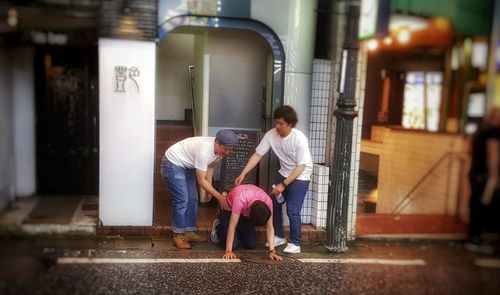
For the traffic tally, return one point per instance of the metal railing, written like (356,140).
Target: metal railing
(408,197)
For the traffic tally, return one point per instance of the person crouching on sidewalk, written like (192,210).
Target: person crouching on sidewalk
(186,163)
(250,207)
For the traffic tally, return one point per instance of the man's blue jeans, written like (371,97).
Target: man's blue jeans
(181,183)
(294,195)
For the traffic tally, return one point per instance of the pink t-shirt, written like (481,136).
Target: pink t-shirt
(241,197)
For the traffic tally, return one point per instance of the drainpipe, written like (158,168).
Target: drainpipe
(338,198)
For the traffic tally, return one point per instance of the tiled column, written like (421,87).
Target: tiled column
(319,195)
(320,97)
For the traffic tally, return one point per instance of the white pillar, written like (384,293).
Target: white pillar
(6,136)
(299,48)
(23,94)
(127,129)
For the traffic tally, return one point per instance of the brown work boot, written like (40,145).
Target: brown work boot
(191,236)
(180,242)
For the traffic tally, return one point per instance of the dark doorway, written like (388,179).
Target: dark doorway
(67,139)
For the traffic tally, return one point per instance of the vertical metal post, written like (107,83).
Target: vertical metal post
(338,198)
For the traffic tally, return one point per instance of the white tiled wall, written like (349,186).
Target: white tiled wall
(319,109)
(319,195)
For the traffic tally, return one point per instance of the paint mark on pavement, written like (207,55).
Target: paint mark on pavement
(86,260)
(487,262)
(365,261)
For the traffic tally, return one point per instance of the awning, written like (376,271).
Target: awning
(468,17)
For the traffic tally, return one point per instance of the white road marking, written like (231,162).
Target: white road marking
(87,260)
(487,262)
(415,236)
(419,262)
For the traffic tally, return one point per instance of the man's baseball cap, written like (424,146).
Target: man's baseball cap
(227,137)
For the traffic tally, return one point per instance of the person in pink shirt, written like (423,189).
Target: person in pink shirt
(250,207)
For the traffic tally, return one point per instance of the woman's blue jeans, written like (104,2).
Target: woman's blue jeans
(181,183)
(294,195)
(245,235)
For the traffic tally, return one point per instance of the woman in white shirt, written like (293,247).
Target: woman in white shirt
(292,179)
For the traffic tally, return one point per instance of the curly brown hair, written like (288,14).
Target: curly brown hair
(287,113)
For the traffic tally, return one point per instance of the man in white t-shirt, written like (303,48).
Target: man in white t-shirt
(292,180)
(186,163)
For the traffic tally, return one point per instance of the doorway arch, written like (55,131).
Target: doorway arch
(242,24)
(276,78)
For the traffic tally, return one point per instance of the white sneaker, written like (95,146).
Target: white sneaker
(213,233)
(479,248)
(292,248)
(278,241)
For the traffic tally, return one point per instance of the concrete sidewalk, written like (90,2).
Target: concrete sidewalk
(84,246)
(79,215)
(73,215)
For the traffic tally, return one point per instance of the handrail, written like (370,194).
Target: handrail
(191,85)
(408,195)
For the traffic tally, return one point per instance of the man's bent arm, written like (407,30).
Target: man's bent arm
(203,182)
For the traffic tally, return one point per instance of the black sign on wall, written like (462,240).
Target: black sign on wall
(233,164)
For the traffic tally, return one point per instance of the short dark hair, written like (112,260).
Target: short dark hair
(259,213)
(287,113)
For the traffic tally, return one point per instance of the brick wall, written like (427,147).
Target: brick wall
(167,135)
(426,167)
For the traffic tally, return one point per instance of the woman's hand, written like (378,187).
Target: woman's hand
(278,189)
(239,179)
(229,255)
(274,256)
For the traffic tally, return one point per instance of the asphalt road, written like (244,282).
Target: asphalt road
(369,267)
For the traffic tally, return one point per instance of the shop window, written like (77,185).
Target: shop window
(422,98)
(476,110)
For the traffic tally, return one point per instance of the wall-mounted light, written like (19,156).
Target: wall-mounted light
(404,35)
(402,26)
(127,6)
(387,41)
(372,44)
(412,23)
(12,17)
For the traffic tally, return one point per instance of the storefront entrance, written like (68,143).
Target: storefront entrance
(67,139)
